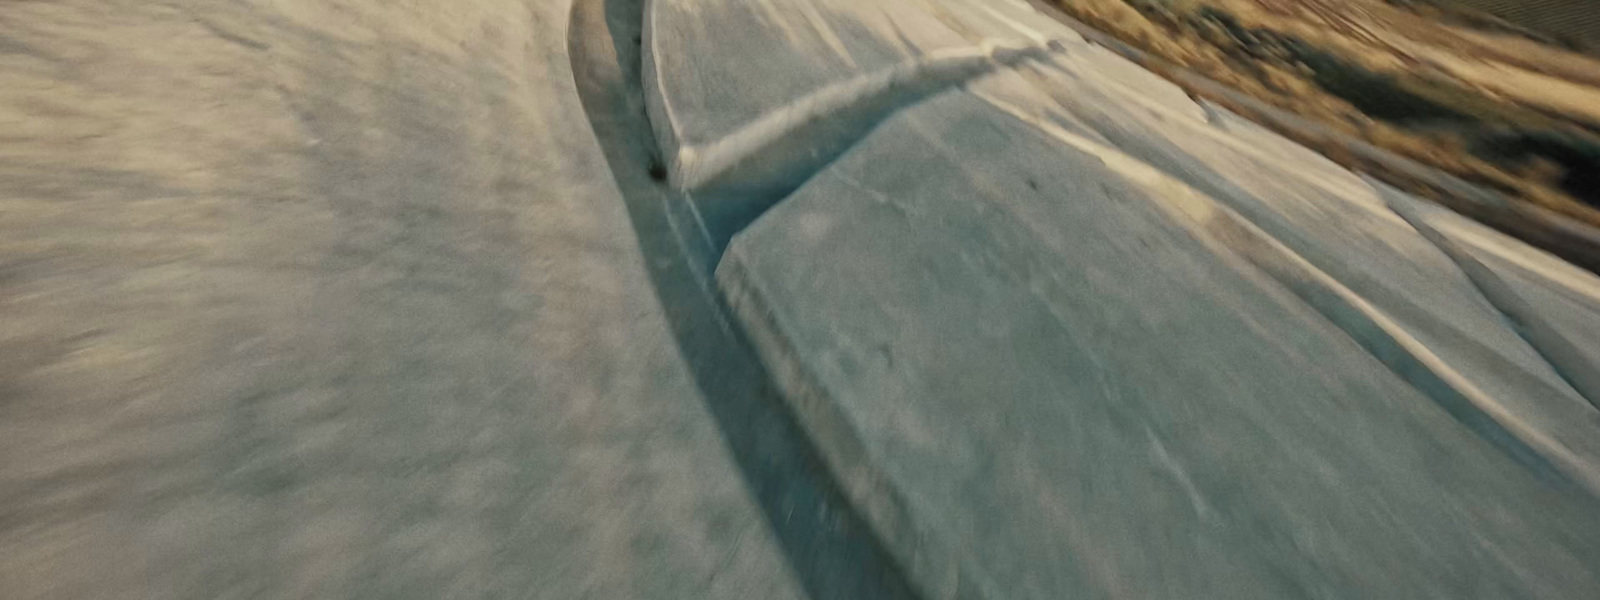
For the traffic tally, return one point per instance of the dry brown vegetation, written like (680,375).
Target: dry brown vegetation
(1267,49)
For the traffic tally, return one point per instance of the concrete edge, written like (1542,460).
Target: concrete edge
(691,166)
(1579,371)
(934,567)
(774,126)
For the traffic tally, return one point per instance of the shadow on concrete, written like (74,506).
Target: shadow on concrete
(831,549)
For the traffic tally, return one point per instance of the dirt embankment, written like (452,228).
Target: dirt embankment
(1465,93)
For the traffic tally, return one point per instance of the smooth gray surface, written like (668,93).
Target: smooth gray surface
(1069,394)
(327,299)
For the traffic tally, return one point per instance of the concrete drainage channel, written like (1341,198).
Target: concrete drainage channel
(831,549)
(846,530)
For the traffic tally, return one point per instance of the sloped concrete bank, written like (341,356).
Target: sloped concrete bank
(1058,330)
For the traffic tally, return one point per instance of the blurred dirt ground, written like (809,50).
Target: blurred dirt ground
(321,298)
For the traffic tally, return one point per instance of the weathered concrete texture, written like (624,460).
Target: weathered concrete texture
(1068,332)
(1555,305)
(323,299)
(1017,91)
(811,44)
(1342,225)
(1572,312)
(1040,380)
(1328,215)
(714,68)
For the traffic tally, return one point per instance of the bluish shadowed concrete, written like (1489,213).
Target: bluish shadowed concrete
(1034,377)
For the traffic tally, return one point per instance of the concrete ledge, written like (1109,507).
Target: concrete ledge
(935,568)
(855,104)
